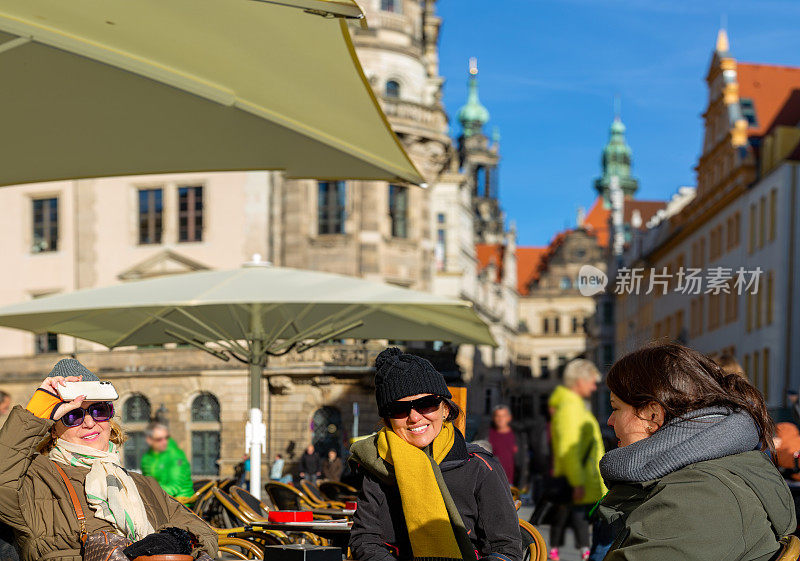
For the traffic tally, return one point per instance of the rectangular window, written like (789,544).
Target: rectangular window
(770,294)
(773,212)
(737,224)
(751,244)
(556,325)
(562,362)
(701,252)
(440,218)
(330,207)
(668,327)
(577,324)
(608,313)
(700,314)
(151,209)
(747,372)
(440,251)
(762,221)
(190,214)
(398,210)
(545,325)
(45,343)
(135,447)
(45,225)
(756,379)
(205,452)
(544,367)
(749,312)
(608,355)
(765,375)
(391,6)
(759,318)
(678,324)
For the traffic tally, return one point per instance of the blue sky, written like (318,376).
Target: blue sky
(549,71)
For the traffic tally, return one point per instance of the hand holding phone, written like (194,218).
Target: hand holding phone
(94,391)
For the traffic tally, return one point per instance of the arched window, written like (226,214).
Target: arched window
(205,435)
(327,425)
(393,89)
(135,416)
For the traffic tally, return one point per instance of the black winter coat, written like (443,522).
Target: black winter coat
(310,464)
(480,490)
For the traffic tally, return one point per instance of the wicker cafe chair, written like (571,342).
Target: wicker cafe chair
(198,493)
(337,491)
(790,549)
(311,491)
(535,548)
(242,505)
(197,483)
(238,548)
(286,497)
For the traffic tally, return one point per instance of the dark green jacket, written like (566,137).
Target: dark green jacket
(171,469)
(730,508)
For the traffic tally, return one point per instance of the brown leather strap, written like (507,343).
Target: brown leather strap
(75,502)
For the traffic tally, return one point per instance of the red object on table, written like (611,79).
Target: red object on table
(351,505)
(290,516)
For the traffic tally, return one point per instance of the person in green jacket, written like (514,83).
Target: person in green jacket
(691,479)
(577,447)
(167,463)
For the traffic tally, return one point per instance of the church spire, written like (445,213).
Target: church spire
(617,160)
(473,115)
(723,45)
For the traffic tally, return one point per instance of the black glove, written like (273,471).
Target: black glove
(168,540)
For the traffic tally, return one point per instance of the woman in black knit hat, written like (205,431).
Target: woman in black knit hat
(427,494)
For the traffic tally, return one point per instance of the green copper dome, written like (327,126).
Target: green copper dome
(616,161)
(473,115)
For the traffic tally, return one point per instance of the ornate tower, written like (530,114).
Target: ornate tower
(479,156)
(616,162)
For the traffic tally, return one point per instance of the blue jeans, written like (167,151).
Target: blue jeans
(602,538)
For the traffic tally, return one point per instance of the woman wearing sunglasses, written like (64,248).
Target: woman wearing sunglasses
(52,440)
(426,492)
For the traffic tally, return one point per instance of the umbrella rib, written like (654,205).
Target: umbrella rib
(219,354)
(330,335)
(282,327)
(309,333)
(218,332)
(191,331)
(146,322)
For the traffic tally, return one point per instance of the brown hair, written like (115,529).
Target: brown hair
(730,365)
(118,437)
(682,380)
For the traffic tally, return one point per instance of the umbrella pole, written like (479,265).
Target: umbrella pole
(256,430)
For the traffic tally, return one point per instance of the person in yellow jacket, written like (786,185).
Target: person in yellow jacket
(577,447)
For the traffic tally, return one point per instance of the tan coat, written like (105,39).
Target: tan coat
(35,503)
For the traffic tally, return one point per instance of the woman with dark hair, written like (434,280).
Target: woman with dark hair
(427,493)
(691,479)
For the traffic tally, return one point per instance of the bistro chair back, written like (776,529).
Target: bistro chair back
(237,548)
(248,501)
(533,542)
(286,497)
(337,491)
(790,549)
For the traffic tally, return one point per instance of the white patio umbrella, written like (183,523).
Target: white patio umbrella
(248,314)
(97,88)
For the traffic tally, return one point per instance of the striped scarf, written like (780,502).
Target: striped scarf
(110,491)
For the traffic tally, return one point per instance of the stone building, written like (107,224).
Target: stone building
(69,235)
(743,216)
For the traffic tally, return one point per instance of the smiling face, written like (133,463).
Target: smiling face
(417,428)
(91,433)
(632,426)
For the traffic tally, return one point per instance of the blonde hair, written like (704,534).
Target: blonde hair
(118,437)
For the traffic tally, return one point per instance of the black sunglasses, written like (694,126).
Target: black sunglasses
(423,405)
(100,411)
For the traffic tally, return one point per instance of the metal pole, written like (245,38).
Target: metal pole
(256,432)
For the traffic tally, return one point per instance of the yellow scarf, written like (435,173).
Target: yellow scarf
(429,527)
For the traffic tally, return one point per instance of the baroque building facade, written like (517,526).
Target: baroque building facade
(739,233)
(69,235)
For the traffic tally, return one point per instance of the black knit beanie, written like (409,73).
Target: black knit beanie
(399,374)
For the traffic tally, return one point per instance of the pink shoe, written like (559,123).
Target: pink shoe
(553,555)
(585,553)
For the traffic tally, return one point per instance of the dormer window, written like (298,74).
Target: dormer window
(392,89)
(395,6)
(748,111)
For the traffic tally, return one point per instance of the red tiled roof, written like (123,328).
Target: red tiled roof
(491,253)
(769,86)
(528,261)
(596,220)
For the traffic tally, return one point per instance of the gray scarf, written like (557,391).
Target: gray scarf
(705,434)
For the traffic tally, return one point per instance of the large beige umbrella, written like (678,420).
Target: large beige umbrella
(95,88)
(247,314)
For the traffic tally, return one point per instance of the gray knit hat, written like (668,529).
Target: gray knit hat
(71,367)
(399,374)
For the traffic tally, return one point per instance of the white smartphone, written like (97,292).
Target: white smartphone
(94,391)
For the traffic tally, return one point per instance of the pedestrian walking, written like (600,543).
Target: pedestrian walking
(691,479)
(332,467)
(509,447)
(427,493)
(310,465)
(166,462)
(5,403)
(577,447)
